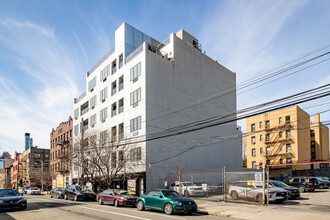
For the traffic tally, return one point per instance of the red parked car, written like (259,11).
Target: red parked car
(116,197)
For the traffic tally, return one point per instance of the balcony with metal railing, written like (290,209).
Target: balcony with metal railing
(76,100)
(111,51)
(84,111)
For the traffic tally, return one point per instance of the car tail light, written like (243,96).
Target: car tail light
(309,182)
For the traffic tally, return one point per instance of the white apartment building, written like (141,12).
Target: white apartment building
(142,87)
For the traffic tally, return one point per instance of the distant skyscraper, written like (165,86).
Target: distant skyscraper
(28,141)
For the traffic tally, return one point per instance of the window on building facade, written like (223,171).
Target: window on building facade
(46,164)
(135,72)
(135,97)
(261,150)
(280,147)
(37,164)
(114,133)
(37,156)
(114,67)
(76,113)
(92,102)
(287,133)
(105,73)
(103,114)
(114,109)
(254,165)
(280,120)
(103,94)
(253,127)
(267,162)
(267,150)
(76,129)
(288,160)
(103,136)
(121,131)
(120,105)
(267,124)
(135,124)
(267,137)
(114,159)
(280,134)
(253,152)
(114,87)
(92,120)
(288,148)
(92,84)
(253,139)
(312,133)
(260,138)
(260,124)
(121,83)
(121,60)
(135,154)
(46,156)
(281,161)
(287,119)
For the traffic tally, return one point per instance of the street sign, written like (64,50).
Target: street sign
(258,178)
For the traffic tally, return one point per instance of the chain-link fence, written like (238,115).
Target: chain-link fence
(243,185)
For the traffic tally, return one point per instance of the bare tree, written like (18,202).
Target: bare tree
(104,157)
(40,177)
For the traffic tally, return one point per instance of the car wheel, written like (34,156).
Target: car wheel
(234,195)
(65,197)
(75,198)
(168,209)
(326,187)
(301,189)
(116,202)
(100,201)
(140,205)
(259,197)
(50,195)
(24,207)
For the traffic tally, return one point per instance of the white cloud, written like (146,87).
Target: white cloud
(45,99)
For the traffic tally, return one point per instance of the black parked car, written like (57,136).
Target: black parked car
(77,192)
(322,183)
(293,192)
(302,183)
(57,193)
(11,199)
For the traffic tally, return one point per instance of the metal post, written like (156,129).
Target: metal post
(207,184)
(224,185)
(267,185)
(263,184)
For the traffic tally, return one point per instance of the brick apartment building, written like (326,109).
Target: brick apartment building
(17,171)
(60,154)
(36,167)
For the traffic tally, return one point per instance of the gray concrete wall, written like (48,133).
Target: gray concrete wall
(191,77)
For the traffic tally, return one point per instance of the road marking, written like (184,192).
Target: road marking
(115,213)
(148,213)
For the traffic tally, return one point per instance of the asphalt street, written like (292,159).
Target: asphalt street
(43,207)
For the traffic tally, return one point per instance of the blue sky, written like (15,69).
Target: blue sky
(46,48)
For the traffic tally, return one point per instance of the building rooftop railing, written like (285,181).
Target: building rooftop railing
(76,100)
(111,51)
(134,53)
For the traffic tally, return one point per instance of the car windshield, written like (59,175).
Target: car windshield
(121,193)
(83,189)
(318,179)
(171,194)
(33,188)
(279,184)
(187,184)
(8,192)
(60,189)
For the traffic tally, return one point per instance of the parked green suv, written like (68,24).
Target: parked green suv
(168,201)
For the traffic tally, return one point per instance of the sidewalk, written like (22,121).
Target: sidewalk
(259,212)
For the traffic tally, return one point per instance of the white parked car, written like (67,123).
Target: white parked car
(33,191)
(187,188)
